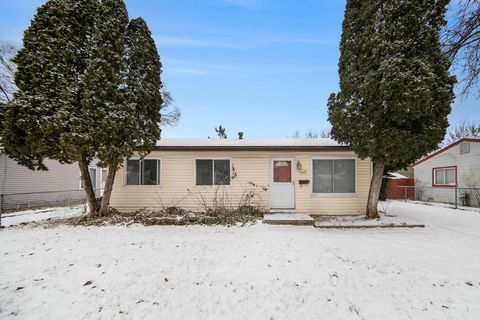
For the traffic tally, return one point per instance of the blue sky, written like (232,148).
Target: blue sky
(264,67)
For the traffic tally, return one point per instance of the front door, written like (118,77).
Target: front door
(282,186)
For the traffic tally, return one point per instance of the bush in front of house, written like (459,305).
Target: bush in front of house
(176,216)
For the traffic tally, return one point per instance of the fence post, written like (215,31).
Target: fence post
(1,208)
(456,197)
(405,193)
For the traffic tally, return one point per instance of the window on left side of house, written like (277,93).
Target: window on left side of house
(93,178)
(143,172)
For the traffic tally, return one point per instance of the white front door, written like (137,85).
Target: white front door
(282,184)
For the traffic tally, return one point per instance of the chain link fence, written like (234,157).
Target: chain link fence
(17,208)
(454,196)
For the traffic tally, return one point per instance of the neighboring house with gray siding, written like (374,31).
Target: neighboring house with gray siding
(456,166)
(23,188)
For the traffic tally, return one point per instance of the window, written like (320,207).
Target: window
(104,176)
(282,171)
(464,147)
(212,172)
(143,172)
(93,178)
(446,176)
(333,175)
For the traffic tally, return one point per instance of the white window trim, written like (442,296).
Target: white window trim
(101,175)
(335,194)
(159,179)
(213,173)
(95,187)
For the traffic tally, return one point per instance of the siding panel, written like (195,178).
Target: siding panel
(251,171)
(468,172)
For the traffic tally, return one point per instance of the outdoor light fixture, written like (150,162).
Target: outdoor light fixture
(299,165)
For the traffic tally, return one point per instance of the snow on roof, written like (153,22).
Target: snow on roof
(287,142)
(396,175)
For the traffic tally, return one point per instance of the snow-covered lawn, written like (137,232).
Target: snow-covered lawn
(256,272)
(16,218)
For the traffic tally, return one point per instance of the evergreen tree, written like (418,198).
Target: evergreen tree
(104,83)
(221,132)
(395,89)
(135,124)
(44,114)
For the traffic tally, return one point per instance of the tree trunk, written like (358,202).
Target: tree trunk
(107,191)
(374,193)
(87,185)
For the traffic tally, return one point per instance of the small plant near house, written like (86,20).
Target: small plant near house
(474,194)
(419,190)
(173,216)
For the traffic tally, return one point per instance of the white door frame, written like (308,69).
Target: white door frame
(292,183)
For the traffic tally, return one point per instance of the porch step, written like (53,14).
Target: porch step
(294,219)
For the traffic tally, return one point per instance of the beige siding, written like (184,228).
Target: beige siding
(178,184)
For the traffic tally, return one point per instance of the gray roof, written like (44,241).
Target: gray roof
(322,144)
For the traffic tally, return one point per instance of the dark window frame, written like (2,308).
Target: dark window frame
(213,179)
(141,172)
(444,185)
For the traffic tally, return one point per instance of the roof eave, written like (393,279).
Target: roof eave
(252,148)
(436,153)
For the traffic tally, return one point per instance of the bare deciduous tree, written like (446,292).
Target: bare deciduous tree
(462,44)
(461,130)
(170,114)
(7,72)
(312,134)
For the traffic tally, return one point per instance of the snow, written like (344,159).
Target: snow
(287,142)
(445,205)
(287,217)
(34,215)
(255,272)
(360,221)
(395,176)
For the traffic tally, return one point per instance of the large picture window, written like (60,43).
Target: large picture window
(143,172)
(212,172)
(333,175)
(445,176)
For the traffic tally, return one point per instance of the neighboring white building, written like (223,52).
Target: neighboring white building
(456,166)
(22,187)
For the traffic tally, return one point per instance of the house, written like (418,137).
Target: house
(444,175)
(315,176)
(21,187)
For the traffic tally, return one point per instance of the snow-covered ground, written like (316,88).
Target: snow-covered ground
(256,272)
(16,218)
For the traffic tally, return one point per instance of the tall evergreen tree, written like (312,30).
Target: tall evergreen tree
(122,89)
(42,117)
(104,99)
(88,86)
(395,89)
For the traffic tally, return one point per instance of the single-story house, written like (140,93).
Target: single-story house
(24,188)
(315,176)
(456,166)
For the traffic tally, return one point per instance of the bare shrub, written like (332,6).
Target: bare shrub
(419,189)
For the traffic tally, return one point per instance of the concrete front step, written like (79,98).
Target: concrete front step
(294,219)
